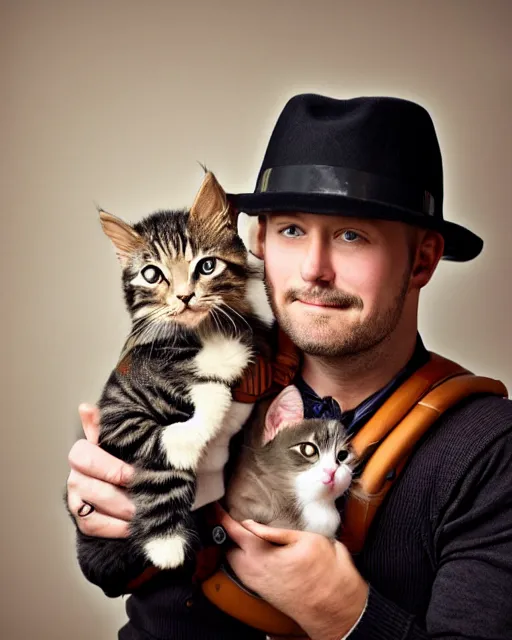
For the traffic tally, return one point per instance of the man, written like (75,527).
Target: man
(351,228)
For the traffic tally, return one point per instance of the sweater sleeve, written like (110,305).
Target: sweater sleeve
(471,593)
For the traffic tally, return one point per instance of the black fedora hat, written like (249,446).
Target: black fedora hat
(366,157)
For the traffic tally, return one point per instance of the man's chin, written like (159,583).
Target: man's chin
(319,341)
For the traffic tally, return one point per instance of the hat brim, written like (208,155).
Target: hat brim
(461,244)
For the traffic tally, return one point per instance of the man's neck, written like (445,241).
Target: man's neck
(351,379)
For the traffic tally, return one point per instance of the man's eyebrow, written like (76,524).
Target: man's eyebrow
(291,215)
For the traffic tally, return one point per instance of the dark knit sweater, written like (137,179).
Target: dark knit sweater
(438,557)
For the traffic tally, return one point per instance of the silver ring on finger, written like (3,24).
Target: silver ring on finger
(85,509)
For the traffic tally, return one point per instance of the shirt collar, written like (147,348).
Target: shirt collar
(353,420)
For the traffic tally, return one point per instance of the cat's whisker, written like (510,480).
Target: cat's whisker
(142,325)
(142,335)
(216,320)
(147,318)
(219,308)
(238,314)
(150,320)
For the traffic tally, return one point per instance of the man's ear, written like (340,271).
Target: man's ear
(429,250)
(257,243)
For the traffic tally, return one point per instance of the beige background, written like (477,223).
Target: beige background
(114,102)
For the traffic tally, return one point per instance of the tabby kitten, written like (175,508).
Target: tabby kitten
(198,317)
(291,472)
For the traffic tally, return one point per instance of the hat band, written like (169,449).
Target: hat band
(324,179)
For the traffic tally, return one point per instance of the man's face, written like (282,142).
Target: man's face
(338,285)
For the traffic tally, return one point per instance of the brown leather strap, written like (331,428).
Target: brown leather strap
(255,612)
(433,373)
(141,579)
(397,426)
(385,465)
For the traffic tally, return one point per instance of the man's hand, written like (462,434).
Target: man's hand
(97,479)
(306,576)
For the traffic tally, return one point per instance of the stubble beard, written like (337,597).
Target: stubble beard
(357,339)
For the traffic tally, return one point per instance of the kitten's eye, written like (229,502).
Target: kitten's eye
(342,455)
(206,267)
(308,450)
(151,274)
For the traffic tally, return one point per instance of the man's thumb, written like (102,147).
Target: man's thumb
(270,534)
(90,417)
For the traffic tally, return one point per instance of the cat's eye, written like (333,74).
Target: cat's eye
(308,450)
(342,455)
(152,274)
(206,266)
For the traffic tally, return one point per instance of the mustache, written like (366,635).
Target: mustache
(330,297)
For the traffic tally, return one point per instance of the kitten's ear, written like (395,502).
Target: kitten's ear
(285,410)
(211,204)
(124,238)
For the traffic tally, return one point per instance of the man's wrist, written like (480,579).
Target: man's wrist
(337,620)
(353,627)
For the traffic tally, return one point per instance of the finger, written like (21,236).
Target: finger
(93,461)
(271,534)
(103,526)
(90,417)
(106,498)
(240,535)
(236,559)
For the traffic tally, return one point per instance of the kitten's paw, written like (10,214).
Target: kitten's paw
(182,444)
(167,552)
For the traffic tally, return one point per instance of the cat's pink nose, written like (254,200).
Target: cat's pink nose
(330,475)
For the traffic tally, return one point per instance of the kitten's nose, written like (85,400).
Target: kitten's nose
(330,475)
(185,298)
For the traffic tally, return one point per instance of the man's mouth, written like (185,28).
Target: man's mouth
(320,303)
(323,304)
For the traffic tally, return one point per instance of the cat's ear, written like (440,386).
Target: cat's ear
(124,237)
(211,205)
(286,410)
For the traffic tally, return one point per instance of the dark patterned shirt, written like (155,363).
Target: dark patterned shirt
(354,419)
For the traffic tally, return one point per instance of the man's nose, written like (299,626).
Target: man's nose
(317,265)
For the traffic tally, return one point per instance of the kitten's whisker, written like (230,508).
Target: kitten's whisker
(239,315)
(219,308)
(141,335)
(215,320)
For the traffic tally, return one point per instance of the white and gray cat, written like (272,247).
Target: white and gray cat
(292,470)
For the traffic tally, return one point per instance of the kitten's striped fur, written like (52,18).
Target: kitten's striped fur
(186,284)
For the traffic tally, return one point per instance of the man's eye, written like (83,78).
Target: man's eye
(291,232)
(350,236)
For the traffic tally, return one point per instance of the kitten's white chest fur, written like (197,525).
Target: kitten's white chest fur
(222,357)
(321,517)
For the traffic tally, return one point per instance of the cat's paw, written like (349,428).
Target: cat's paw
(167,552)
(182,444)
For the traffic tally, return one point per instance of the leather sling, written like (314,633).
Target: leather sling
(390,436)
